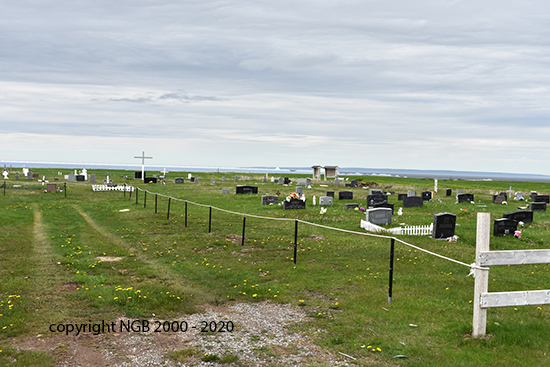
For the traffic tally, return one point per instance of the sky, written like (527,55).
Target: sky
(431,85)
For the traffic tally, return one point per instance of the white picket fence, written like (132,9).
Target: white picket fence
(112,188)
(426,230)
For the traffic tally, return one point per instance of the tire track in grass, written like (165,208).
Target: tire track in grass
(163,272)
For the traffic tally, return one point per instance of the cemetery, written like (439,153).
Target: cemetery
(195,242)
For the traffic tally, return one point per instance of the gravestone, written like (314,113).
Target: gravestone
(518,195)
(213,180)
(330,193)
(375,191)
(223,178)
(351,206)
(189,175)
(542,198)
(264,179)
(532,195)
(353,184)
(226,191)
(35,175)
(236,178)
(525,216)
(245,179)
(412,201)
(537,206)
(400,197)
(299,190)
(71,177)
(17,176)
(444,225)
(196,180)
(458,191)
(426,195)
(149,180)
(192,179)
(345,195)
(411,193)
(287,181)
(91,176)
(270,199)
(178,180)
(51,187)
(294,204)
(29,175)
(380,216)
(137,175)
(325,201)
(245,189)
(280,181)
(336,182)
(500,198)
(376,199)
(463,198)
(448,192)
(504,227)
(80,178)
(384,205)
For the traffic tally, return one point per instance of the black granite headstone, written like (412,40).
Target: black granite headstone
(504,227)
(330,193)
(525,216)
(426,195)
(294,204)
(412,201)
(463,198)
(400,197)
(384,205)
(245,189)
(150,180)
(448,192)
(137,175)
(345,195)
(537,206)
(376,199)
(80,178)
(444,225)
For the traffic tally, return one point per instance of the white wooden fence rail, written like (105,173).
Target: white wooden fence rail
(112,188)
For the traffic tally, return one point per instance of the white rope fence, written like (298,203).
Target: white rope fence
(470,266)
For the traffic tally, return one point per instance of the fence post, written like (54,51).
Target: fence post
(295,240)
(481,276)
(156,203)
(244,225)
(145,199)
(210,220)
(168,212)
(125,189)
(137,191)
(65,188)
(185,213)
(4,187)
(392,251)
(131,193)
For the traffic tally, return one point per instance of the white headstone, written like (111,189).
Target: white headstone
(435,185)
(189,176)
(84,172)
(314,200)
(25,171)
(6,174)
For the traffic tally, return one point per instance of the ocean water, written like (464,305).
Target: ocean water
(307,171)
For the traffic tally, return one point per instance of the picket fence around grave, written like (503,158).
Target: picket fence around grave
(112,188)
(426,230)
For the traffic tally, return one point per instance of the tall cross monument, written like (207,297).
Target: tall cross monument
(143,158)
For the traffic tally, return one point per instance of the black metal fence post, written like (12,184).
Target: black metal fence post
(132,189)
(295,240)
(244,226)
(156,203)
(185,213)
(168,212)
(145,199)
(137,191)
(4,187)
(392,250)
(65,188)
(124,189)
(210,220)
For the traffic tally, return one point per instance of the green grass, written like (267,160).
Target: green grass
(340,280)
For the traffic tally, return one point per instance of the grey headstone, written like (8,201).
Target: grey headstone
(336,182)
(375,191)
(500,198)
(223,179)
(17,176)
(411,193)
(325,201)
(299,190)
(91,177)
(458,191)
(178,180)
(226,191)
(518,195)
(444,225)
(72,177)
(280,181)
(380,216)
(213,180)
(270,199)
(384,205)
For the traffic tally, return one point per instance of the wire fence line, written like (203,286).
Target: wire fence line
(471,266)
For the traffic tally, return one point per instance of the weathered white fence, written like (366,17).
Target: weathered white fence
(483,299)
(426,230)
(112,188)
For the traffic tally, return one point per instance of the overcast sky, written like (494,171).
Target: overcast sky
(459,85)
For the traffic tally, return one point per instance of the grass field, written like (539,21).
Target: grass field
(56,267)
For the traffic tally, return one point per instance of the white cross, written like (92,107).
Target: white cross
(164,172)
(143,158)
(43,180)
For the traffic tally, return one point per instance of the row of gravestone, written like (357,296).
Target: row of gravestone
(509,223)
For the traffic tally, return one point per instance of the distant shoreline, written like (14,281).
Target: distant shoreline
(344,171)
